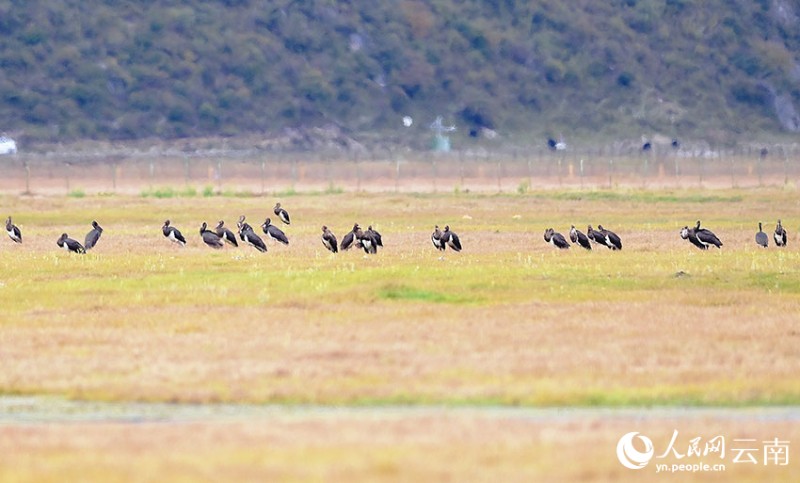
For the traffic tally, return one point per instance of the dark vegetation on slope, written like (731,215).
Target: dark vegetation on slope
(717,70)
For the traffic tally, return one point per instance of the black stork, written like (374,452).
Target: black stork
(93,236)
(282,214)
(274,232)
(436,239)
(347,241)
(556,239)
(780,235)
(367,241)
(706,237)
(451,239)
(376,235)
(701,238)
(210,238)
(596,236)
(329,240)
(13,231)
(69,244)
(613,241)
(173,234)
(248,235)
(579,238)
(224,233)
(761,238)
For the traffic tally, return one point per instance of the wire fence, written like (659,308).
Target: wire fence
(387,170)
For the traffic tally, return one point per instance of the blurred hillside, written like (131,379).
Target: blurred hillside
(717,70)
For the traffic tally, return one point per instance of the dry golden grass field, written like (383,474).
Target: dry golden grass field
(510,322)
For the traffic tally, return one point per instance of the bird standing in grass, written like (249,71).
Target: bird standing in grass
(451,239)
(69,244)
(225,234)
(367,241)
(173,234)
(613,241)
(436,239)
(780,235)
(377,236)
(282,214)
(706,237)
(248,235)
(93,236)
(761,238)
(329,240)
(274,232)
(349,238)
(701,238)
(688,234)
(596,236)
(556,239)
(13,231)
(210,238)
(579,238)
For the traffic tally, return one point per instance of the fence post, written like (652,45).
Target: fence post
(294,172)
(186,169)
(560,159)
(677,166)
(530,174)
(702,169)
(114,176)
(461,166)
(610,173)
(760,161)
(27,176)
(499,170)
(68,167)
(581,172)
(358,171)
(435,173)
(219,175)
(733,171)
(263,174)
(394,155)
(785,168)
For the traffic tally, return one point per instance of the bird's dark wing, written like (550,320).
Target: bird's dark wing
(277,234)
(91,239)
(347,241)
(454,242)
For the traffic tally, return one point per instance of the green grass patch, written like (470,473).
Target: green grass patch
(640,196)
(402,292)
(507,321)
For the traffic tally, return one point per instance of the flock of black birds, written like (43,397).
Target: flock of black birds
(370,240)
(221,235)
(702,238)
(601,236)
(64,241)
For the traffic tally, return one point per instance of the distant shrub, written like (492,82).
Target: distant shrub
(77,193)
(333,189)
(208,191)
(625,79)
(159,193)
(189,192)
(750,93)
(289,192)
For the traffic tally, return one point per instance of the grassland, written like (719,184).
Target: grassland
(509,321)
